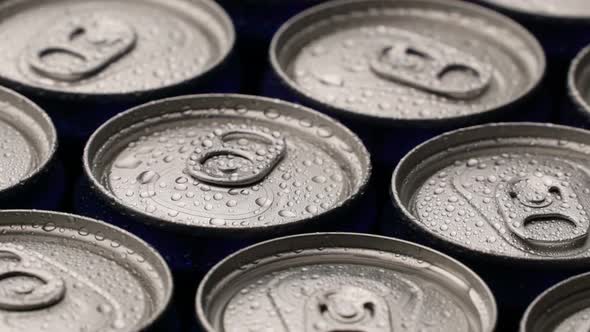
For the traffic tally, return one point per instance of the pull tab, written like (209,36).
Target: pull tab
(235,157)
(426,64)
(75,50)
(350,309)
(543,199)
(22,296)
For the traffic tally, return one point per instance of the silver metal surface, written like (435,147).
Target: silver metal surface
(28,140)
(61,272)
(405,60)
(326,282)
(562,9)
(226,162)
(578,82)
(106,47)
(564,307)
(519,191)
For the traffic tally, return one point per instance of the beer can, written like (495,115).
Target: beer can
(84,61)
(257,21)
(201,176)
(343,282)
(400,72)
(511,200)
(576,109)
(30,175)
(563,307)
(61,272)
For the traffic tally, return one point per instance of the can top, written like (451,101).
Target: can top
(230,164)
(61,272)
(578,82)
(559,9)
(562,308)
(343,282)
(28,140)
(426,62)
(120,49)
(516,191)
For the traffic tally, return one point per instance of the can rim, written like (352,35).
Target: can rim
(538,301)
(394,191)
(363,153)
(167,277)
(582,106)
(98,97)
(51,135)
(391,121)
(200,296)
(569,18)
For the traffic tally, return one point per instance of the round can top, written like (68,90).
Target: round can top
(226,163)
(327,282)
(423,61)
(113,48)
(60,272)
(564,307)
(560,9)
(512,191)
(579,82)
(28,140)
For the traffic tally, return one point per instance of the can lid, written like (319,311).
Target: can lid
(563,307)
(578,82)
(119,49)
(230,164)
(343,282)
(425,62)
(560,9)
(513,190)
(69,273)
(28,140)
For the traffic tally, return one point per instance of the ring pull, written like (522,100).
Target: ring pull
(236,157)
(431,66)
(75,50)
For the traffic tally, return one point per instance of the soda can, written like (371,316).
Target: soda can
(84,61)
(61,272)
(343,282)
(30,175)
(257,21)
(201,176)
(399,72)
(511,200)
(576,109)
(563,307)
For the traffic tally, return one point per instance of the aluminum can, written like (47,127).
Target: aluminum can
(201,176)
(257,21)
(576,109)
(61,272)
(560,26)
(563,307)
(30,175)
(343,282)
(511,200)
(399,72)
(84,61)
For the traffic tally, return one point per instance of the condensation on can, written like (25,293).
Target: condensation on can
(403,71)
(563,307)
(30,175)
(62,272)
(503,197)
(84,61)
(343,282)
